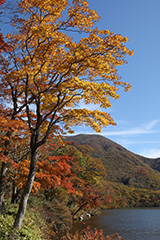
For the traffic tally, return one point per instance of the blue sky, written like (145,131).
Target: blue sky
(137,113)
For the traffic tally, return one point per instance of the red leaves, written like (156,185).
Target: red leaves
(88,234)
(13,132)
(3,45)
(54,171)
(2,1)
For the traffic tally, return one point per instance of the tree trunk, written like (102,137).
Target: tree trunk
(83,204)
(3,175)
(15,194)
(26,191)
(3,185)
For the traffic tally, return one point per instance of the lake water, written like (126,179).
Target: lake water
(131,224)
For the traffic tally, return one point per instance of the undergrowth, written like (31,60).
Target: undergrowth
(32,227)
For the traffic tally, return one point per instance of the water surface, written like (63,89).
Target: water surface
(131,224)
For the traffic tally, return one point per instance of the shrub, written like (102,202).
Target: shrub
(89,234)
(30,229)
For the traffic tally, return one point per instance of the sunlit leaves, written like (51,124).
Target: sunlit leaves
(50,71)
(44,79)
(58,71)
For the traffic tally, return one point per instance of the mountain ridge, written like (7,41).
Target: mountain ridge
(122,165)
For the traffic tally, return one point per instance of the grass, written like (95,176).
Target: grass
(33,226)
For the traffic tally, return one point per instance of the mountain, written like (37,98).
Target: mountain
(121,165)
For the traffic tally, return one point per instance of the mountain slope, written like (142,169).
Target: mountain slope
(121,165)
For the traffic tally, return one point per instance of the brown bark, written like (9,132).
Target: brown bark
(83,205)
(3,176)
(4,169)
(26,192)
(15,194)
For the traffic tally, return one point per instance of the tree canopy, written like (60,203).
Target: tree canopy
(49,73)
(50,69)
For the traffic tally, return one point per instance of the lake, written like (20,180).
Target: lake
(131,224)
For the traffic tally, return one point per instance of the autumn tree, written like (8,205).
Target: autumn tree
(3,44)
(5,122)
(51,71)
(51,172)
(89,181)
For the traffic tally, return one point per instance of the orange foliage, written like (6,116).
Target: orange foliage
(46,76)
(51,172)
(12,132)
(88,234)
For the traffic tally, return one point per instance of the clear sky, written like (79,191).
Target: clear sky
(137,113)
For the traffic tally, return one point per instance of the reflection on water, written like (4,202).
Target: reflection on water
(131,224)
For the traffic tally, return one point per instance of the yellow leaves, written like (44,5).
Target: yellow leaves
(95,119)
(82,16)
(97,93)
(9,36)
(70,131)
(50,5)
(61,72)
(131,53)
(127,87)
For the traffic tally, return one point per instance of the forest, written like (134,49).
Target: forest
(52,59)
(70,182)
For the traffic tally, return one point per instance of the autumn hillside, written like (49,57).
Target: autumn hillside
(122,165)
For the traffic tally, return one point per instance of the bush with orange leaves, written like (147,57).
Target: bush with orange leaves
(88,234)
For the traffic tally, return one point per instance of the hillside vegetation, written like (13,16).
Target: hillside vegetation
(84,175)
(121,165)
